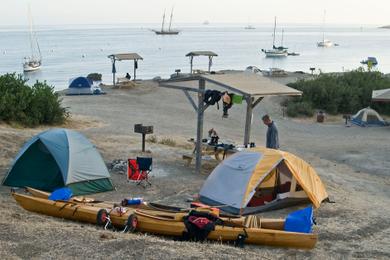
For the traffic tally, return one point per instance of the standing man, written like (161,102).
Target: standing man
(272,133)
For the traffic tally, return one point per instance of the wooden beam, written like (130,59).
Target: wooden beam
(167,85)
(226,86)
(191,100)
(199,132)
(248,119)
(257,102)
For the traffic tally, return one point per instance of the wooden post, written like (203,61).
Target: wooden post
(191,60)
(113,72)
(199,132)
(210,62)
(135,61)
(248,119)
(143,142)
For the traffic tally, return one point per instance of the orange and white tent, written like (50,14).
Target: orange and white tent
(262,179)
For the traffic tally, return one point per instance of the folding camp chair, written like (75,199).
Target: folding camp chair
(133,173)
(144,167)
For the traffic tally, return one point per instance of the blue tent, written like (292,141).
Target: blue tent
(57,158)
(80,86)
(368,117)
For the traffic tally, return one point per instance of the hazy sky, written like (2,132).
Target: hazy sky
(52,12)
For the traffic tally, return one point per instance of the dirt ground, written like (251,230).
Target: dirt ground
(353,163)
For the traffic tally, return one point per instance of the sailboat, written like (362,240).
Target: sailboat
(324,43)
(170,31)
(33,62)
(249,26)
(276,52)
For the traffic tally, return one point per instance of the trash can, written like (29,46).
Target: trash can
(320,117)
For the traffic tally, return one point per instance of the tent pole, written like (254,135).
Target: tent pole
(210,61)
(248,119)
(199,134)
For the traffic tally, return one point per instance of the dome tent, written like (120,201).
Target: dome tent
(368,117)
(80,86)
(58,158)
(262,179)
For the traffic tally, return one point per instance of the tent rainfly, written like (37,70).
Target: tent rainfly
(382,95)
(58,158)
(193,54)
(368,117)
(262,179)
(253,87)
(80,86)
(124,56)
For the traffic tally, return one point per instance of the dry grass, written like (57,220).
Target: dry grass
(168,141)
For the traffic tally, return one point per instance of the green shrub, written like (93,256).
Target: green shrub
(295,109)
(95,76)
(343,92)
(29,106)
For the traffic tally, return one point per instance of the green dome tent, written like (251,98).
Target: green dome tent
(58,158)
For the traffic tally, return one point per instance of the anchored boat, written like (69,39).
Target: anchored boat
(276,52)
(33,62)
(170,31)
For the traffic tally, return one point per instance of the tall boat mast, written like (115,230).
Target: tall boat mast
(170,21)
(323,26)
(273,43)
(163,22)
(30,22)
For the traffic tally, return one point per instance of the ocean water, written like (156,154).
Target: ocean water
(63,48)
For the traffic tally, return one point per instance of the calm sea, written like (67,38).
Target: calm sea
(71,51)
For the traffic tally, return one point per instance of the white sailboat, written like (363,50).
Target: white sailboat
(276,52)
(325,43)
(33,62)
(249,26)
(170,31)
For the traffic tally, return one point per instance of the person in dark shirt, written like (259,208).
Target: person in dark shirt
(272,133)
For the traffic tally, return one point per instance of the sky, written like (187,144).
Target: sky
(58,12)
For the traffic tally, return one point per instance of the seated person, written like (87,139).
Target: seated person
(128,76)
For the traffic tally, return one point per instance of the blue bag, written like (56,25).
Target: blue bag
(300,221)
(61,194)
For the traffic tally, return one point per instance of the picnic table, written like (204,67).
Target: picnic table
(219,151)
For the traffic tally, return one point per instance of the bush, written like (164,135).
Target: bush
(95,77)
(342,92)
(29,106)
(167,141)
(295,109)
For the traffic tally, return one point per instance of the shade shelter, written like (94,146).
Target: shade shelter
(209,54)
(121,57)
(262,179)
(382,95)
(253,87)
(57,158)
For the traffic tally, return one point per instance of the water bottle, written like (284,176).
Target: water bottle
(133,201)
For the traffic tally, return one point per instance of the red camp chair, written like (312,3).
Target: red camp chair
(133,173)
(138,170)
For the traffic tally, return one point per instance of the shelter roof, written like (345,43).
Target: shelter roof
(126,56)
(243,83)
(381,95)
(201,53)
